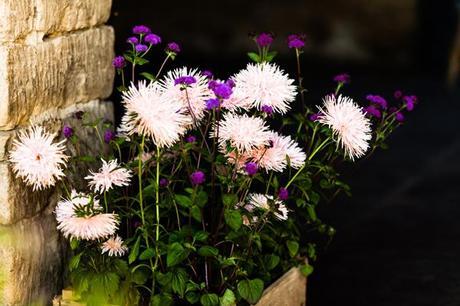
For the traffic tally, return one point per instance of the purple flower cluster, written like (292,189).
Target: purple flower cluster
(296,41)
(208,74)
(343,78)
(173,47)
(222,90)
(212,103)
(399,116)
(197,178)
(152,39)
(141,30)
(119,62)
(283,194)
(373,111)
(133,40)
(267,109)
(141,48)
(409,102)
(67,131)
(109,135)
(164,182)
(315,116)
(251,168)
(264,39)
(190,139)
(185,80)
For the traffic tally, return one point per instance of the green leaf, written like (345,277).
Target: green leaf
(147,254)
(195,211)
(271,261)
(254,57)
(251,290)
(201,199)
(306,269)
(134,251)
(141,275)
(148,76)
(293,247)
(176,254)
(140,61)
(201,236)
(75,261)
(209,299)
(311,212)
(192,297)
(183,200)
(179,282)
(233,219)
(229,200)
(162,300)
(228,299)
(271,56)
(208,251)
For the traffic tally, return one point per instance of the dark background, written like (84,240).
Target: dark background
(398,237)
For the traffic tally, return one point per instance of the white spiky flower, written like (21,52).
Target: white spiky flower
(114,247)
(110,174)
(261,201)
(281,149)
(193,98)
(349,124)
(265,84)
(241,132)
(80,217)
(36,159)
(151,113)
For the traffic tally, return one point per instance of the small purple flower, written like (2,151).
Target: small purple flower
(173,47)
(197,178)
(399,116)
(378,100)
(410,102)
(152,39)
(230,83)
(109,135)
(208,74)
(119,62)
(373,111)
(296,41)
(212,84)
(222,90)
(67,131)
(185,80)
(79,115)
(315,116)
(164,182)
(397,94)
(141,48)
(264,39)
(267,109)
(251,168)
(283,194)
(132,40)
(141,29)
(190,139)
(343,78)
(212,104)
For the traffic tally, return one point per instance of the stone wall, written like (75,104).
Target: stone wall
(55,59)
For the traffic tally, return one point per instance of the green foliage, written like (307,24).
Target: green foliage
(251,290)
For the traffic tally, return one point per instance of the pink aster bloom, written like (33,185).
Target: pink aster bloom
(114,247)
(110,174)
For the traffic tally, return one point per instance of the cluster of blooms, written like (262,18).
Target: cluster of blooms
(378,106)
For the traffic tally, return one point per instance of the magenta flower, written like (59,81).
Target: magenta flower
(119,62)
(212,103)
(264,39)
(208,74)
(315,116)
(109,135)
(251,168)
(343,78)
(141,30)
(296,41)
(185,80)
(399,116)
(197,178)
(283,194)
(267,109)
(222,90)
(67,131)
(377,100)
(373,111)
(173,47)
(133,40)
(141,48)
(190,139)
(397,94)
(410,102)
(152,39)
(164,182)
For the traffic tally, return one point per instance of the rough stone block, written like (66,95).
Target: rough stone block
(58,72)
(30,20)
(18,201)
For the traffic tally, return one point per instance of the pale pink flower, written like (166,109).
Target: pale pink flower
(265,84)
(241,132)
(193,98)
(235,158)
(37,159)
(267,202)
(110,174)
(275,157)
(151,113)
(281,212)
(80,217)
(349,124)
(114,247)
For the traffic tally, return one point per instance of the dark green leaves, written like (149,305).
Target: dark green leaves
(208,251)
(134,251)
(233,219)
(176,254)
(228,299)
(209,299)
(183,200)
(179,282)
(251,290)
(306,269)
(147,254)
(293,247)
(254,57)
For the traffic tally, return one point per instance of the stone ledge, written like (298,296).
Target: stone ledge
(30,20)
(18,201)
(56,73)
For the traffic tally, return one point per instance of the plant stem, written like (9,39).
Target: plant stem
(105,202)
(157,200)
(162,66)
(139,175)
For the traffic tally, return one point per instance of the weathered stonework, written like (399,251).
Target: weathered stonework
(55,60)
(60,71)
(31,20)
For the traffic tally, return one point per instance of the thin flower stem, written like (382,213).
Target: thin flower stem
(162,66)
(157,199)
(105,202)
(139,175)
(322,145)
(299,78)
(269,182)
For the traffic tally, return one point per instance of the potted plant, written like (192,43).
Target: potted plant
(210,184)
